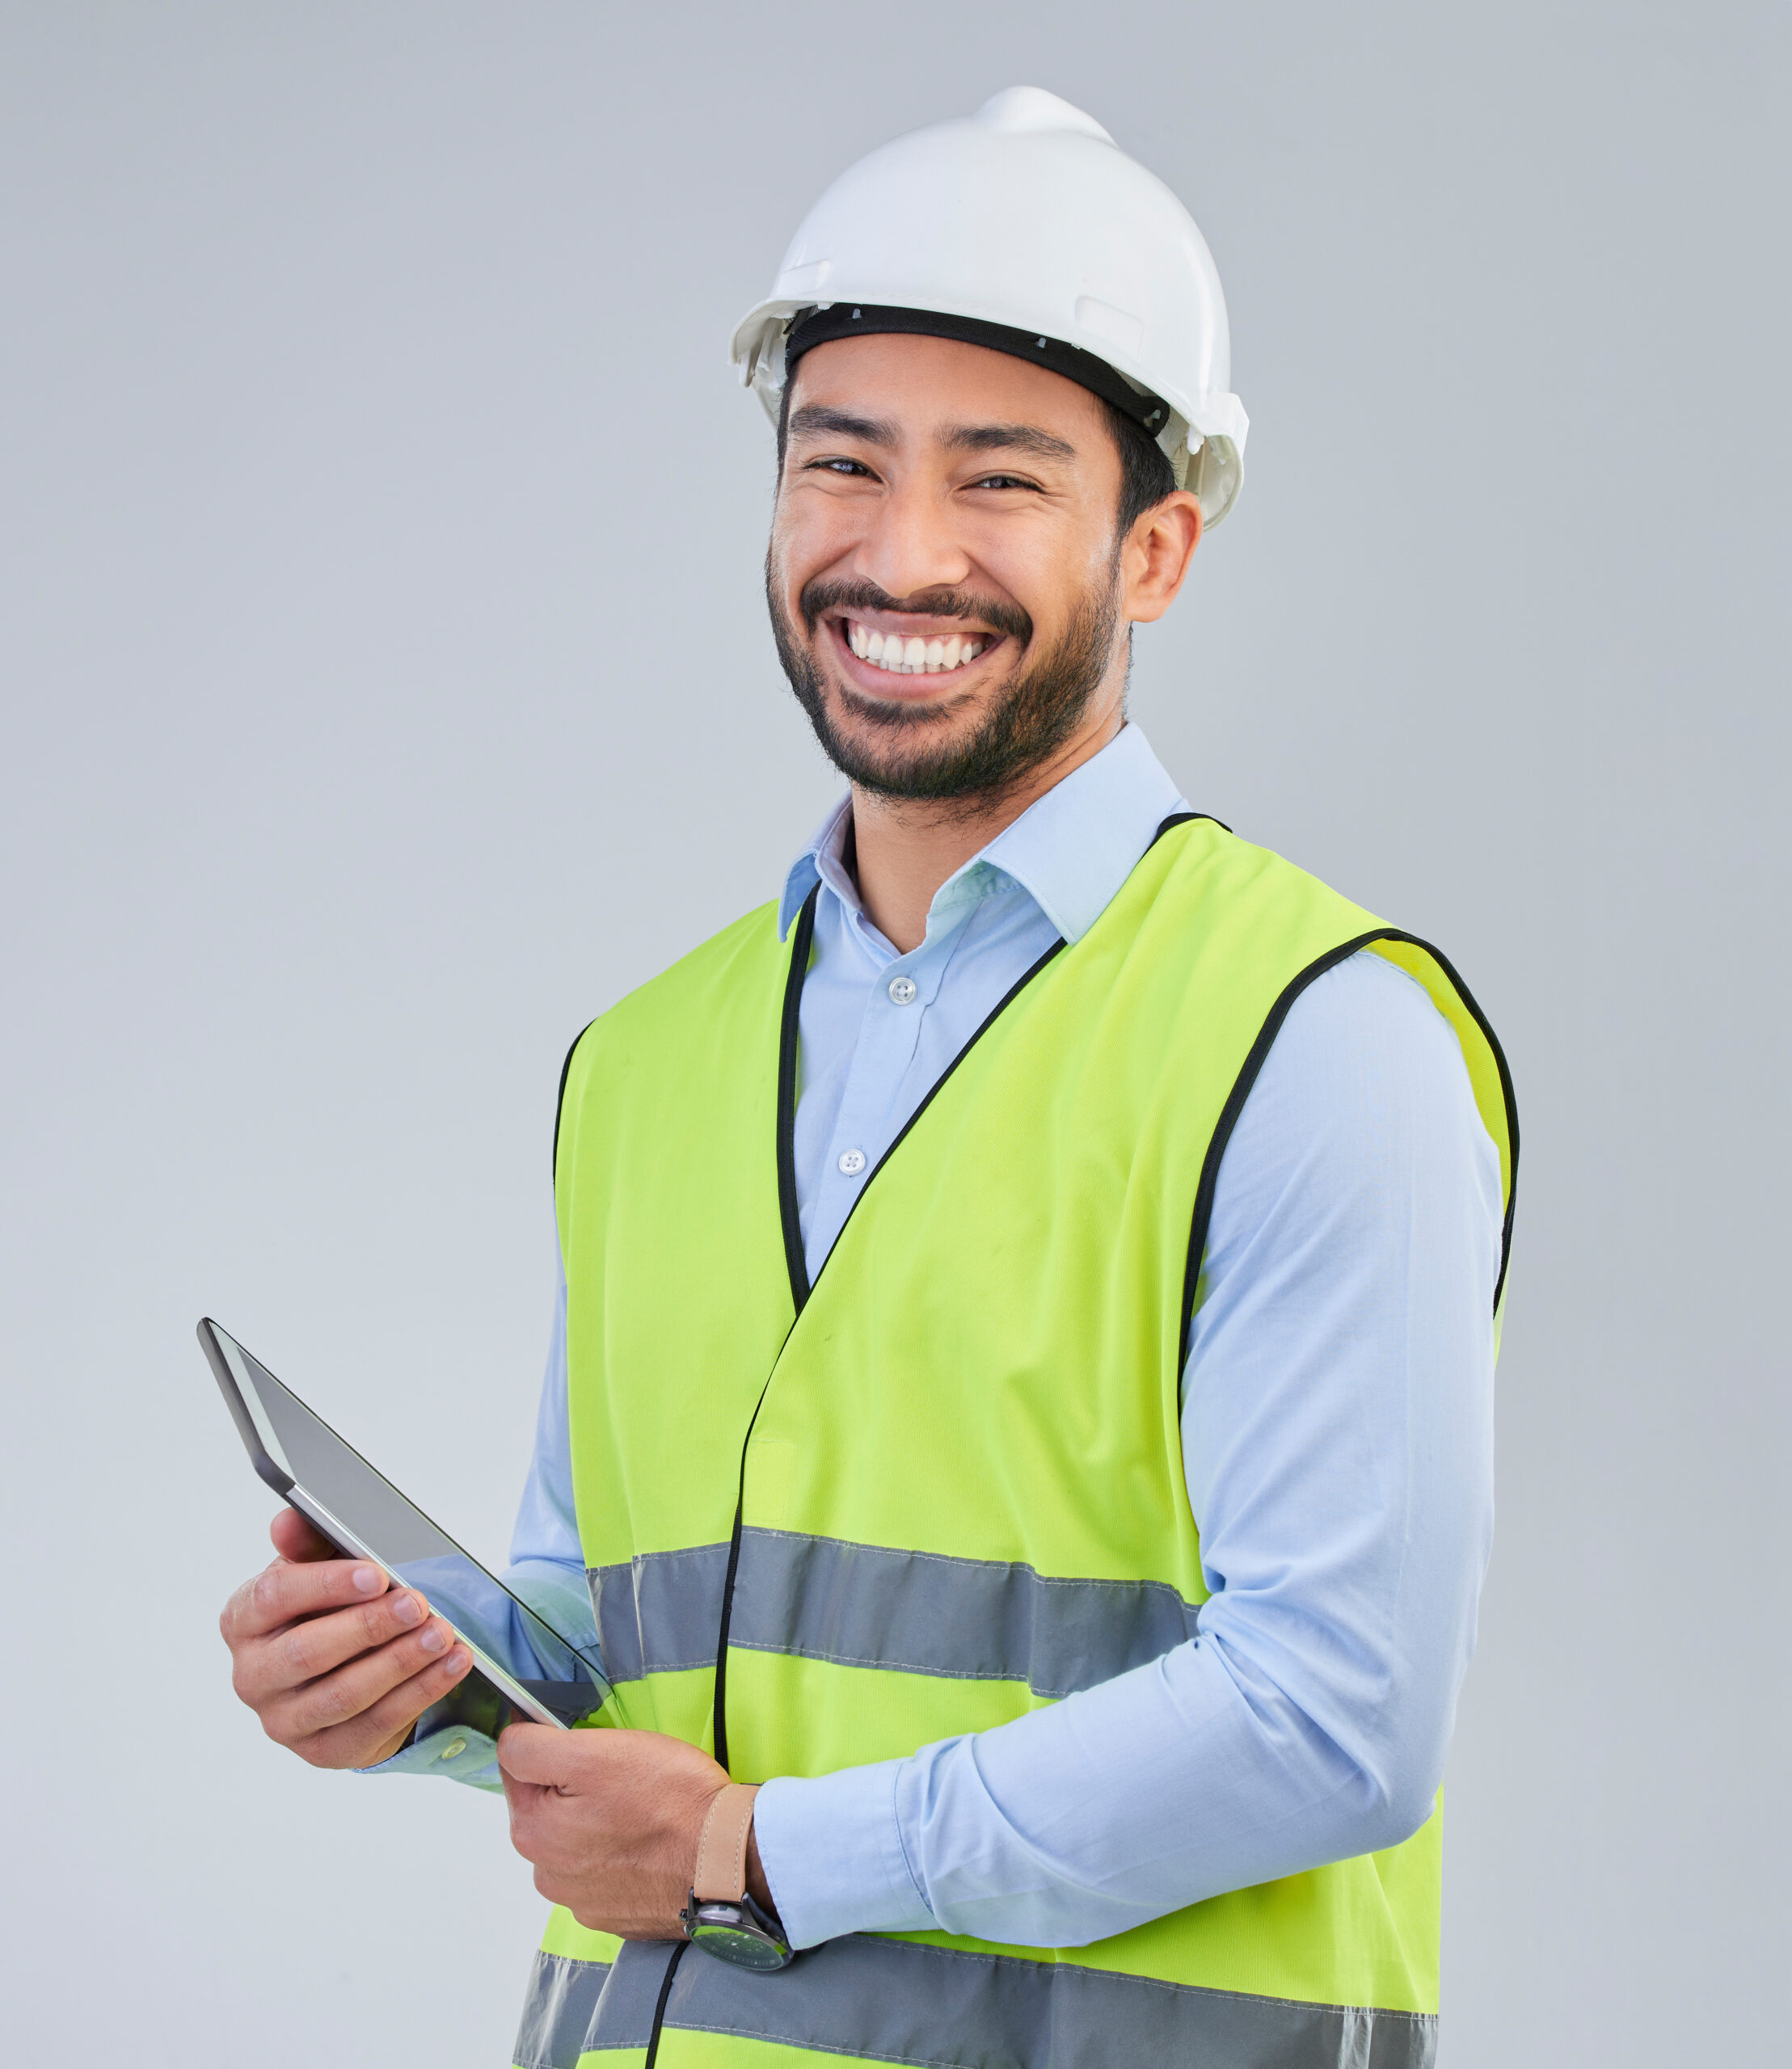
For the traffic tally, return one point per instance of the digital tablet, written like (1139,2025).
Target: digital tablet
(366,1517)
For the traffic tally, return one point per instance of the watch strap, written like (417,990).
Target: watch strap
(720,1875)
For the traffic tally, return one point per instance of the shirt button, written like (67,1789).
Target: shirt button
(453,1749)
(852,1162)
(902,991)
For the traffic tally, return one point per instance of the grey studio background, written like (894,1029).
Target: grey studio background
(387,689)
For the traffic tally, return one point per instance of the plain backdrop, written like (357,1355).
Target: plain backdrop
(387,689)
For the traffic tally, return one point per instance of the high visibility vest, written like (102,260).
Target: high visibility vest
(944,1485)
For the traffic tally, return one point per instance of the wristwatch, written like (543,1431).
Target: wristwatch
(721,1917)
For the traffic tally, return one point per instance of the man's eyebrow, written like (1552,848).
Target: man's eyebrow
(816,420)
(1007,438)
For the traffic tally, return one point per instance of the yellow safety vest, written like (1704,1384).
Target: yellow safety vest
(944,1485)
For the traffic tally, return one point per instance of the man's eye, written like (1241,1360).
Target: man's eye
(1003,481)
(835,465)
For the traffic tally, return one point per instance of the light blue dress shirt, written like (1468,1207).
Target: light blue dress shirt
(1337,1438)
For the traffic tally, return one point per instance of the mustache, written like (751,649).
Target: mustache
(821,596)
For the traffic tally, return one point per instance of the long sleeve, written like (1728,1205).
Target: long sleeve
(1337,1431)
(547,1564)
(546,1570)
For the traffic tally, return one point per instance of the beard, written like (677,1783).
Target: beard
(902,750)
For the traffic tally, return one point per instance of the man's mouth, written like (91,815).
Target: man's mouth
(911,654)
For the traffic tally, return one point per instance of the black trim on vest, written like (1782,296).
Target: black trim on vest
(718,1699)
(1247,1077)
(994,1015)
(1182,819)
(793,1259)
(560,1100)
(660,2007)
(803,936)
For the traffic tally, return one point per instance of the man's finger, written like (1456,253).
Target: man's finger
(534,1752)
(519,1799)
(534,1830)
(297,1538)
(289,1589)
(378,1732)
(352,1691)
(399,1710)
(303,1651)
(523,1797)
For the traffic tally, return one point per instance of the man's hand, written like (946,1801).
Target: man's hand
(337,1664)
(611,1819)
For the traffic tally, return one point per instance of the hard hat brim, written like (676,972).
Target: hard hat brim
(1214,426)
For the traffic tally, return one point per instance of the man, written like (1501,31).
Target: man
(1019,1423)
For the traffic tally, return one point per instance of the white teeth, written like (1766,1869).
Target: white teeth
(898,656)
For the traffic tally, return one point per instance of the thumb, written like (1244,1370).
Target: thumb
(520,1797)
(297,1538)
(534,1752)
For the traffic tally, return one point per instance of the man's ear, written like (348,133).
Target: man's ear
(1154,561)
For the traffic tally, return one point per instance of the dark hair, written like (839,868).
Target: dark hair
(1146,475)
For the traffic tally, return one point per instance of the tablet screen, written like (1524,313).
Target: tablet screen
(303,1448)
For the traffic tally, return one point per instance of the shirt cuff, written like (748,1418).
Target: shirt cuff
(831,1851)
(445,1749)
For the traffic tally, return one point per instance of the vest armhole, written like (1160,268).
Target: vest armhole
(1247,1077)
(560,1101)
(1508,1096)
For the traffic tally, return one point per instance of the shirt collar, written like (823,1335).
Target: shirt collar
(1070,850)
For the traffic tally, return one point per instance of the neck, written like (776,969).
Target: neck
(904,848)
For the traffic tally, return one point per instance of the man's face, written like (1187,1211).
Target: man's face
(943,577)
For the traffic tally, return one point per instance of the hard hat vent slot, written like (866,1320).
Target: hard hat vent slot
(1112,326)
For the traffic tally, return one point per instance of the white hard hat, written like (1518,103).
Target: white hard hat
(1027,229)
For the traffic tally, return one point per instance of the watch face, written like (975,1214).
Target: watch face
(728,1932)
(742,1945)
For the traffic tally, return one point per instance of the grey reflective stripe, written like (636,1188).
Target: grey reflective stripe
(891,2000)
(659,1614)
(559,2011)
(865,1605)
(973,1620)
(575,2006)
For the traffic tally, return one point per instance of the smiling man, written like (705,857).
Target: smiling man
(960,539)
(1019,1428)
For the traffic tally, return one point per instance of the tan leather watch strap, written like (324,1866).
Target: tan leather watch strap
(720,1875)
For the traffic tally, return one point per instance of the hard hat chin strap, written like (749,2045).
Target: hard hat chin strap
(822,325)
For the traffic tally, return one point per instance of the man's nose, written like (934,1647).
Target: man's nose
(910,547)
